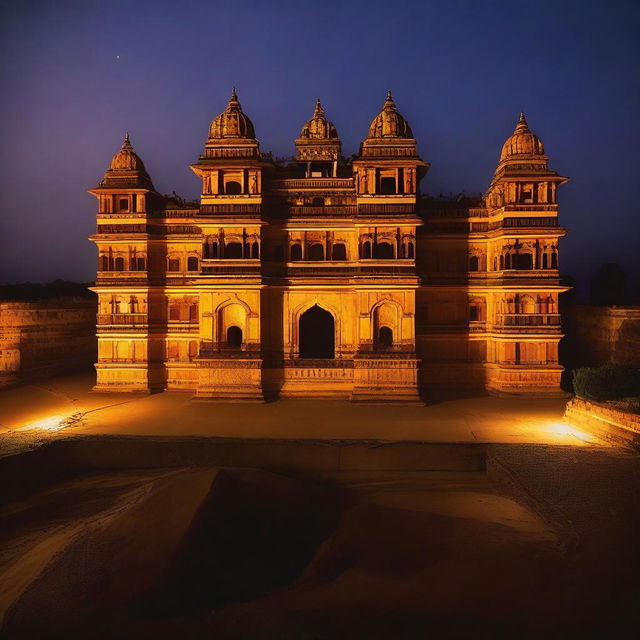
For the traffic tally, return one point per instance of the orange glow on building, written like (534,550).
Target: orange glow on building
(327,277)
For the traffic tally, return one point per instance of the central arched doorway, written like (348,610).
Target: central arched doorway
(317,333)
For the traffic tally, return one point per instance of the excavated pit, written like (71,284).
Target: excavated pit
(198,538)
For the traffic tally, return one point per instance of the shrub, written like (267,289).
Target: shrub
(609,382)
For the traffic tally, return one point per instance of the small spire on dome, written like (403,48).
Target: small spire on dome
(127,142)
(233,100)
(522,126)
(389,101)
(318,111)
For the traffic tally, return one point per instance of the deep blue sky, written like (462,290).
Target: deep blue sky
(77,75)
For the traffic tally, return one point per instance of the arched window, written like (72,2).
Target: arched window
(174,264)
(255,251)
(123,204)
(211,249)
(366,249)
(119,264)
(474,313)
(339,252)
(192,263)
(247,249)
(385,338)
(507,261)
(501,262)
(174,311)
(317,338)
(525,261)
(554,260)
(233,250)
(384,251)
(296,252)
(234,337)
(233,188)
(387,186)
(545,261)
(139,263)
(316,252)
(193,313)
(410,251)
(104,263)
(474,263)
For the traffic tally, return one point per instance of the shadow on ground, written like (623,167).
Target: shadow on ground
(541,544)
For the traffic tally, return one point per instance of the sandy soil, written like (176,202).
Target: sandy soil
(33,413)
(528,550)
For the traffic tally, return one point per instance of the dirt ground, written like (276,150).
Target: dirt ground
(542,544)
(152,517)
(34,413)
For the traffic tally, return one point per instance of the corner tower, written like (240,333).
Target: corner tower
(126,198)
(523,258)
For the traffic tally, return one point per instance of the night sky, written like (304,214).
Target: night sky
(77,75)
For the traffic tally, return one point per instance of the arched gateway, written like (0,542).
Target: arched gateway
(317,333)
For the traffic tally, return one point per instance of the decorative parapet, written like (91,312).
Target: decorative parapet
(604,421)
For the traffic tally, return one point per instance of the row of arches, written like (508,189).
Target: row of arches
(316,252)
(529,304)
(387,250)
(315,331)
(231,250)
(123,304)
(518,261)
(515,305)
(110,262)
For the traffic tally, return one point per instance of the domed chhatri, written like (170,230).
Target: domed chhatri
(522,142)
(389,123)
(127,168)
(126,159)
(232,122)
(319,128)
(318,139)
(523,155)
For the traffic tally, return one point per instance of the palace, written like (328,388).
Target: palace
(328,277)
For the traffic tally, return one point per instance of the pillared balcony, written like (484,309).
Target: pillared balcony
(122,319)
(528,322)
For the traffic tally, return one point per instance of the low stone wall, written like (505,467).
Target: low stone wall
(46,337)
(599,335)
(604,421)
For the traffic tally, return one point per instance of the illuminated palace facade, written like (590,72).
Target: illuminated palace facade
(325,277)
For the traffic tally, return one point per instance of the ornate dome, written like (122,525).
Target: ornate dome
(522,142)
(389,123)
(126,159)
(319,128)
(232,122)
